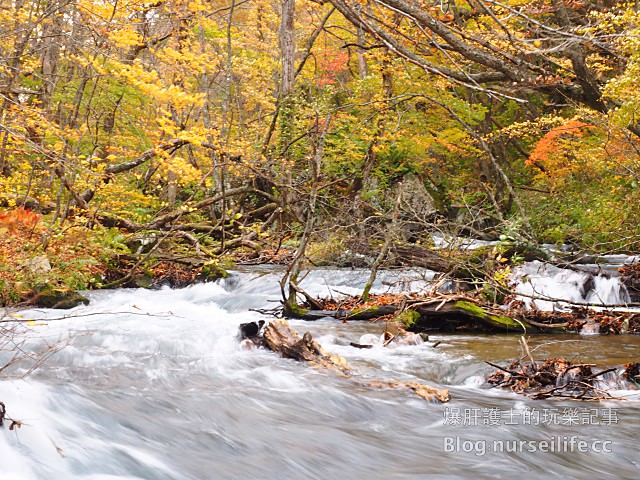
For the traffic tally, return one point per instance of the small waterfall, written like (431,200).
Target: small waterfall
(608,291)
(547,287)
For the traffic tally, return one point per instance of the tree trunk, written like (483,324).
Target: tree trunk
(362,61)
(287,47)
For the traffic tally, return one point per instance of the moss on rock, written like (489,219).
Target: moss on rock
(499,321)
(408,318)
(211,271)
(47,296)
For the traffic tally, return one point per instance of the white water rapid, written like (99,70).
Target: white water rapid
(153,385)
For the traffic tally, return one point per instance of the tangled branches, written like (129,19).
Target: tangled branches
(555,378)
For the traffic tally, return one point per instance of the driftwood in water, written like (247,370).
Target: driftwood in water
(553,378)
(460,314)
(425,391)
(279,337)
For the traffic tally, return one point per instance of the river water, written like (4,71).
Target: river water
(153,385)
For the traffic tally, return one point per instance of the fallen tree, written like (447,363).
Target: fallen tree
(448,313)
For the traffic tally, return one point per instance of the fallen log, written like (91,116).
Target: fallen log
(465,265)
(279,337)
(368,313)
(432,315)
(447,313)
(462,314)
(417,256)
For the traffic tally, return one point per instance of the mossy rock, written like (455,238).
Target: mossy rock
(211,272)
(408,318)
(47,296)
(144,280)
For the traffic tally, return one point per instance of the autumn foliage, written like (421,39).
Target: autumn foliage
(548,144)
(132,118)
(19,219)
(330,65)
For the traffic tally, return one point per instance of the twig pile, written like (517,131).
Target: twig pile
(555,377)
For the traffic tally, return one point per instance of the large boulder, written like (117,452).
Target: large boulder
(37,265)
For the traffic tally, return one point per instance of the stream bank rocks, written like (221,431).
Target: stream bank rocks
(48,296)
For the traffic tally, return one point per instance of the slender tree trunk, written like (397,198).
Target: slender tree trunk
(389,236)
(362,61)
(14,71)
(50,54)
(287,47)
(370,157)
(292,273)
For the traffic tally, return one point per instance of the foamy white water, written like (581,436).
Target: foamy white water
(153,385)
(545,287)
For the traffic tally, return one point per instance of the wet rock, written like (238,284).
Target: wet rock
(211,272)
(143,280)
(249,335)
(46,296)
(250,329)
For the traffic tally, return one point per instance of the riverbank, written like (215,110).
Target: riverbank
(43,269)
(475,285)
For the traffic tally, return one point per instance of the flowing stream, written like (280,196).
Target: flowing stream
(153,385)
